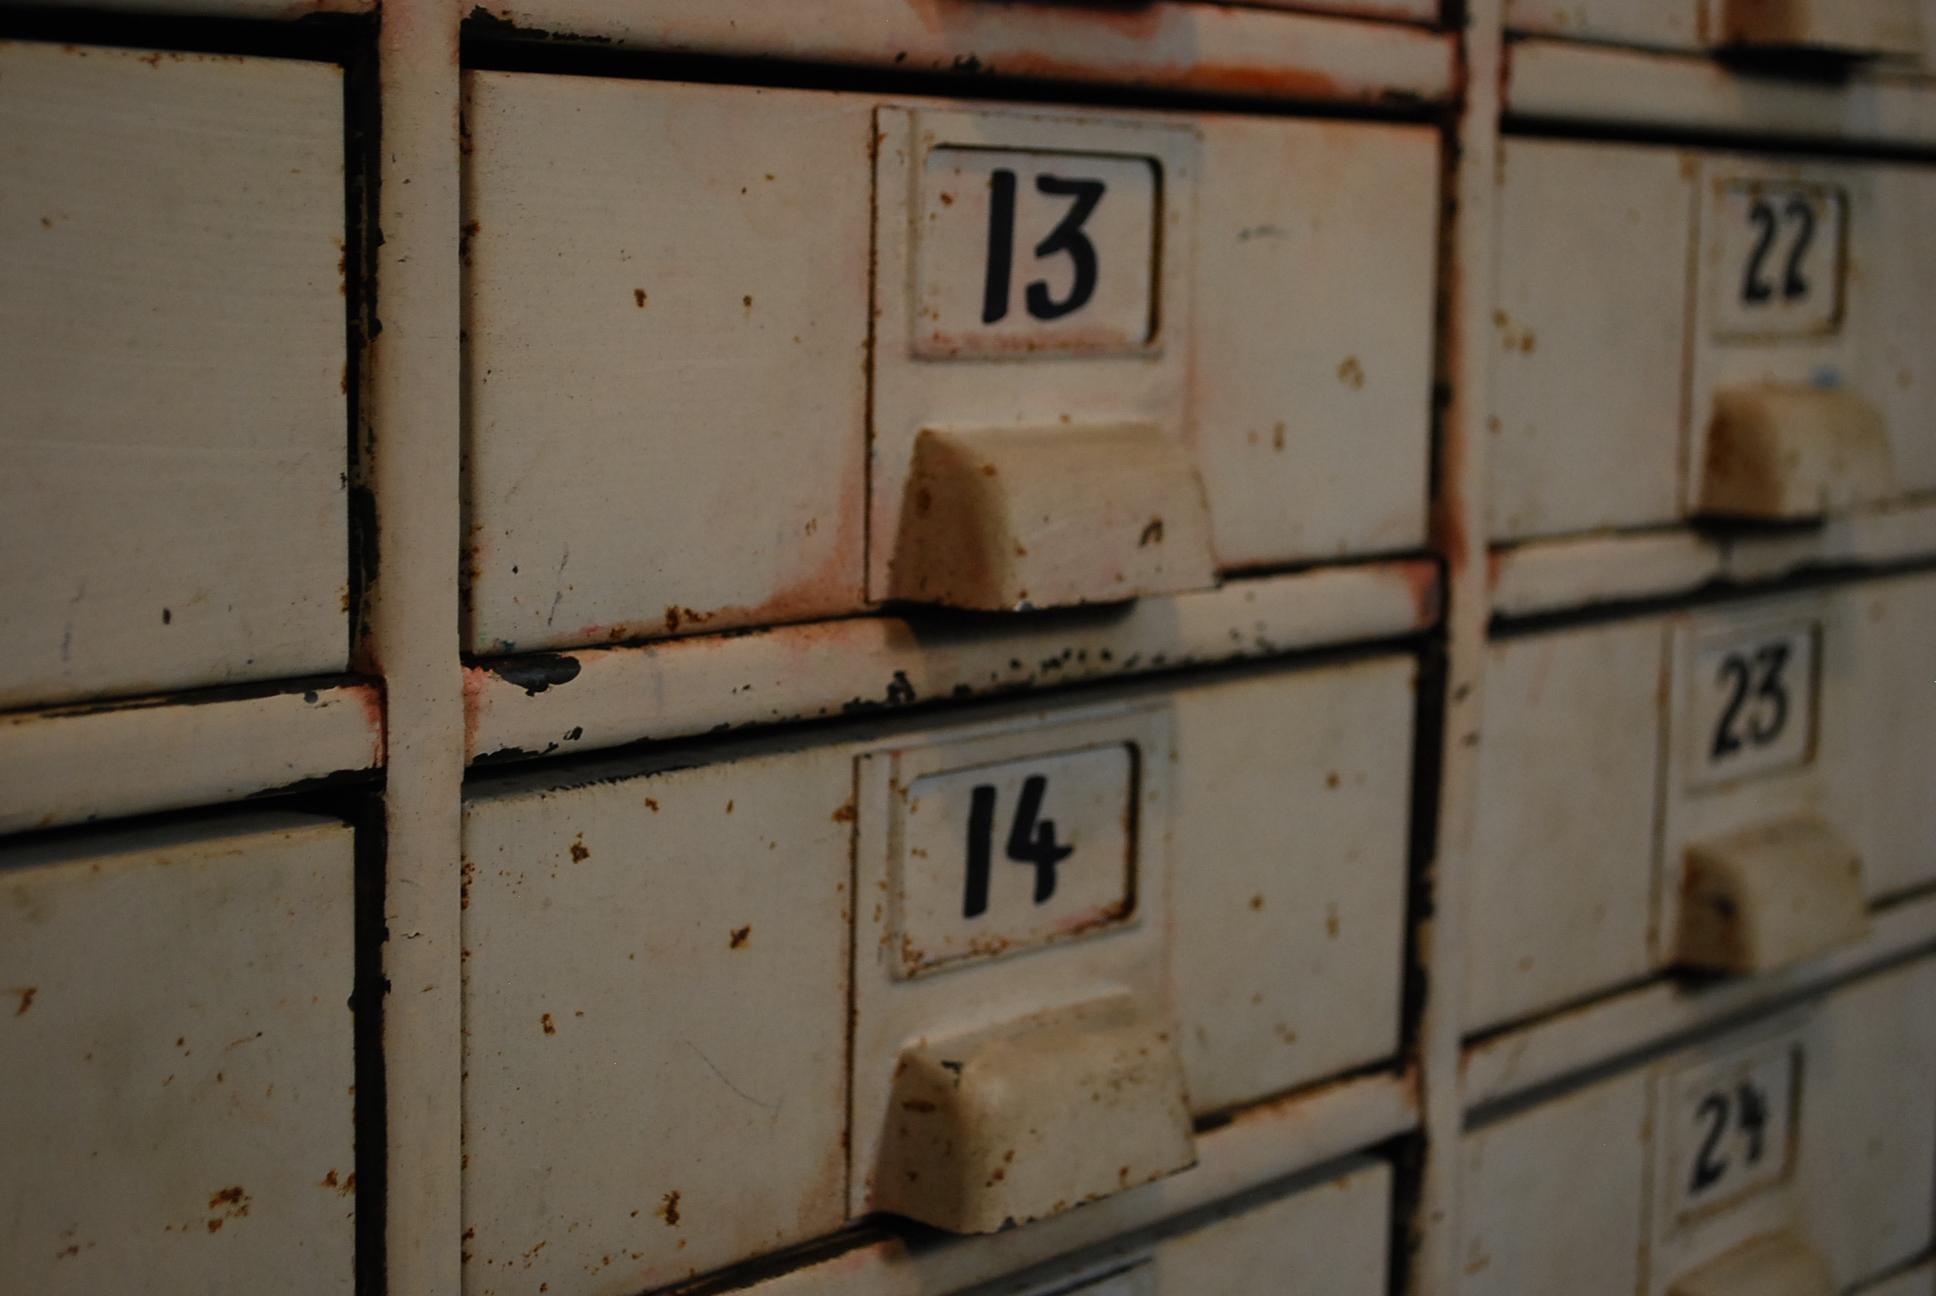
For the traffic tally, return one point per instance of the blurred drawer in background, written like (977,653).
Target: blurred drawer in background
(172,340)
(1094,372)
(1761,756)
(1809,1137)
(1020,879)
(178,1061)
(1849,28)
(1331,1236)
(1687,334)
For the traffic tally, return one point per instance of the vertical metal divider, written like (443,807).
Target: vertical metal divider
(409,470)
(1459,535)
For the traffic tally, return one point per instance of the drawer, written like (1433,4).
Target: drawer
(1332,1236)
(1772,744)
(1852,28)
(1815,1127)
(668,954)
(1014,373)
(1702,335)
(172,333)
(178,1065)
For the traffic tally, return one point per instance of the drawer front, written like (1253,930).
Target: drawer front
(1816,1124)
(1687,334)
(1562,865)
(1289,842)
(664,966)
(1623,759)
(1025,291)
(1331,1236)
(178,1062)
(172,333)
(1846,27)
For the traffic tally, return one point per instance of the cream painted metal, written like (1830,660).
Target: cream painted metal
(1312,344)
(1292,791)
(178,1061)
(593,698)
(737,874)
(1639,748)
(173,331)
(70,765)
(1574,82)
(757,402)
(1331,1235)
(1853,28)
(1768,363)
(1815,1124)
(1203,48)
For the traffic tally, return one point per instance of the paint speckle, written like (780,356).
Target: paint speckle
(550,1027)
(579,851)
(669,1208)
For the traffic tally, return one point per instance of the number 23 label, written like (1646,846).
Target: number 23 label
(1753,700)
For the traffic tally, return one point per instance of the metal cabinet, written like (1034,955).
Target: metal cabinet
(178,1059)
(173,340)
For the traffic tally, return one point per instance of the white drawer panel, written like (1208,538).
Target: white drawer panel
(1691,334)
(172,336)
(1333,1238)
(177,1059)
(1292,805)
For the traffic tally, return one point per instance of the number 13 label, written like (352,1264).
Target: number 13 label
(1024,252)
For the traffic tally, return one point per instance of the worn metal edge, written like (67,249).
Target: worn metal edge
(569,702)
(1566,81)
(259,10)
(1576,572)
(76,764)
(1209,49)
(1660,1012)
(1271,1141)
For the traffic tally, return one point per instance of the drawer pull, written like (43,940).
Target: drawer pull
(1770,895)
(1789,453)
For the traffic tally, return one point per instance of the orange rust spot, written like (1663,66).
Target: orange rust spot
(1257,902)
(638,296)
(579,851)
(652,805)
(669,1208)
(1351,373)
(845,814)
(26,994)
(550,1027)
(739,937)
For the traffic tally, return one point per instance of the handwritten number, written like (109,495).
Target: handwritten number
(1001,244)
(1798,212)
(1066,239)
(1709,1165)
(1758,676)
(1031,841)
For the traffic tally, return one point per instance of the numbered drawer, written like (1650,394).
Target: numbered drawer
(1797,1154)
(172,334)
(178,1060)
(909,960)
(1849,28)
(1687,335)
(1330,1235)
(1719,790)
(1038,357)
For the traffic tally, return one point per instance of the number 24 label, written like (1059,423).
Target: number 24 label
(1732,1125)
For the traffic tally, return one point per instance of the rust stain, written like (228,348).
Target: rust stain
(579,851)
(26,994)
(1422,582)
(550,1027)
(638,297)
(846,813)
(1257,902)
(1351,373)
(739,937)
(669,1208)
(652,805)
